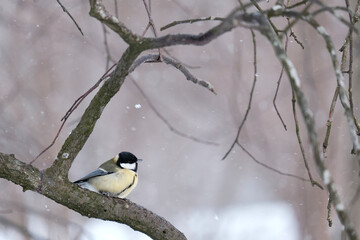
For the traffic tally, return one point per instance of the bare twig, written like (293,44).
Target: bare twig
(350,59)
(151,24)
(330,120)
(235,19)
(270,168)
(341,211)
(145,30)
(242,123)
(82,97)
(352,20)
(347,47)
(339,77)
(292,34)
(172,128)
(297,130)
(193,20)
(344,49)
(137,44)
(340,81)
(51,144)
(278,86)
(188,75)
(67,12)
(107,49)
(250,98)
(332,10)
(257,6)
(329,212)
(71,110)
(303,12)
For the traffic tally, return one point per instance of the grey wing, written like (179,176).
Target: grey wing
(96,173)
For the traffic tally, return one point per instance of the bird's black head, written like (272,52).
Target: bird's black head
(127,160)
(126,157)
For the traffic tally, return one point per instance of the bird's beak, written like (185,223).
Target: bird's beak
(139,160)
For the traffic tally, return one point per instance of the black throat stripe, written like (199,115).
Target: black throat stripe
(127,186)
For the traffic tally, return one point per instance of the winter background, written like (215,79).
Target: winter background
(46,64)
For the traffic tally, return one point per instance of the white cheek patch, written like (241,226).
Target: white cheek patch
(130,166)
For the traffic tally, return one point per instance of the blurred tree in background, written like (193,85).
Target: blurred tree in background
(276,85)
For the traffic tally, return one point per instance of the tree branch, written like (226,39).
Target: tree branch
(78,137)
(85,202)
(308,116)
(235,19)
(98,11)
(53,182)
(174,23)
(236,140)
(67,12)
(166,122)
(178,65)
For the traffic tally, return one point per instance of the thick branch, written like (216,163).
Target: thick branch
(311,129)
(99,12)
(78,137)
(87,203)
(53,182)
(234,19)
(27,176)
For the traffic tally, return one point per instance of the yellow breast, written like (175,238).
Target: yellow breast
(118,184)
